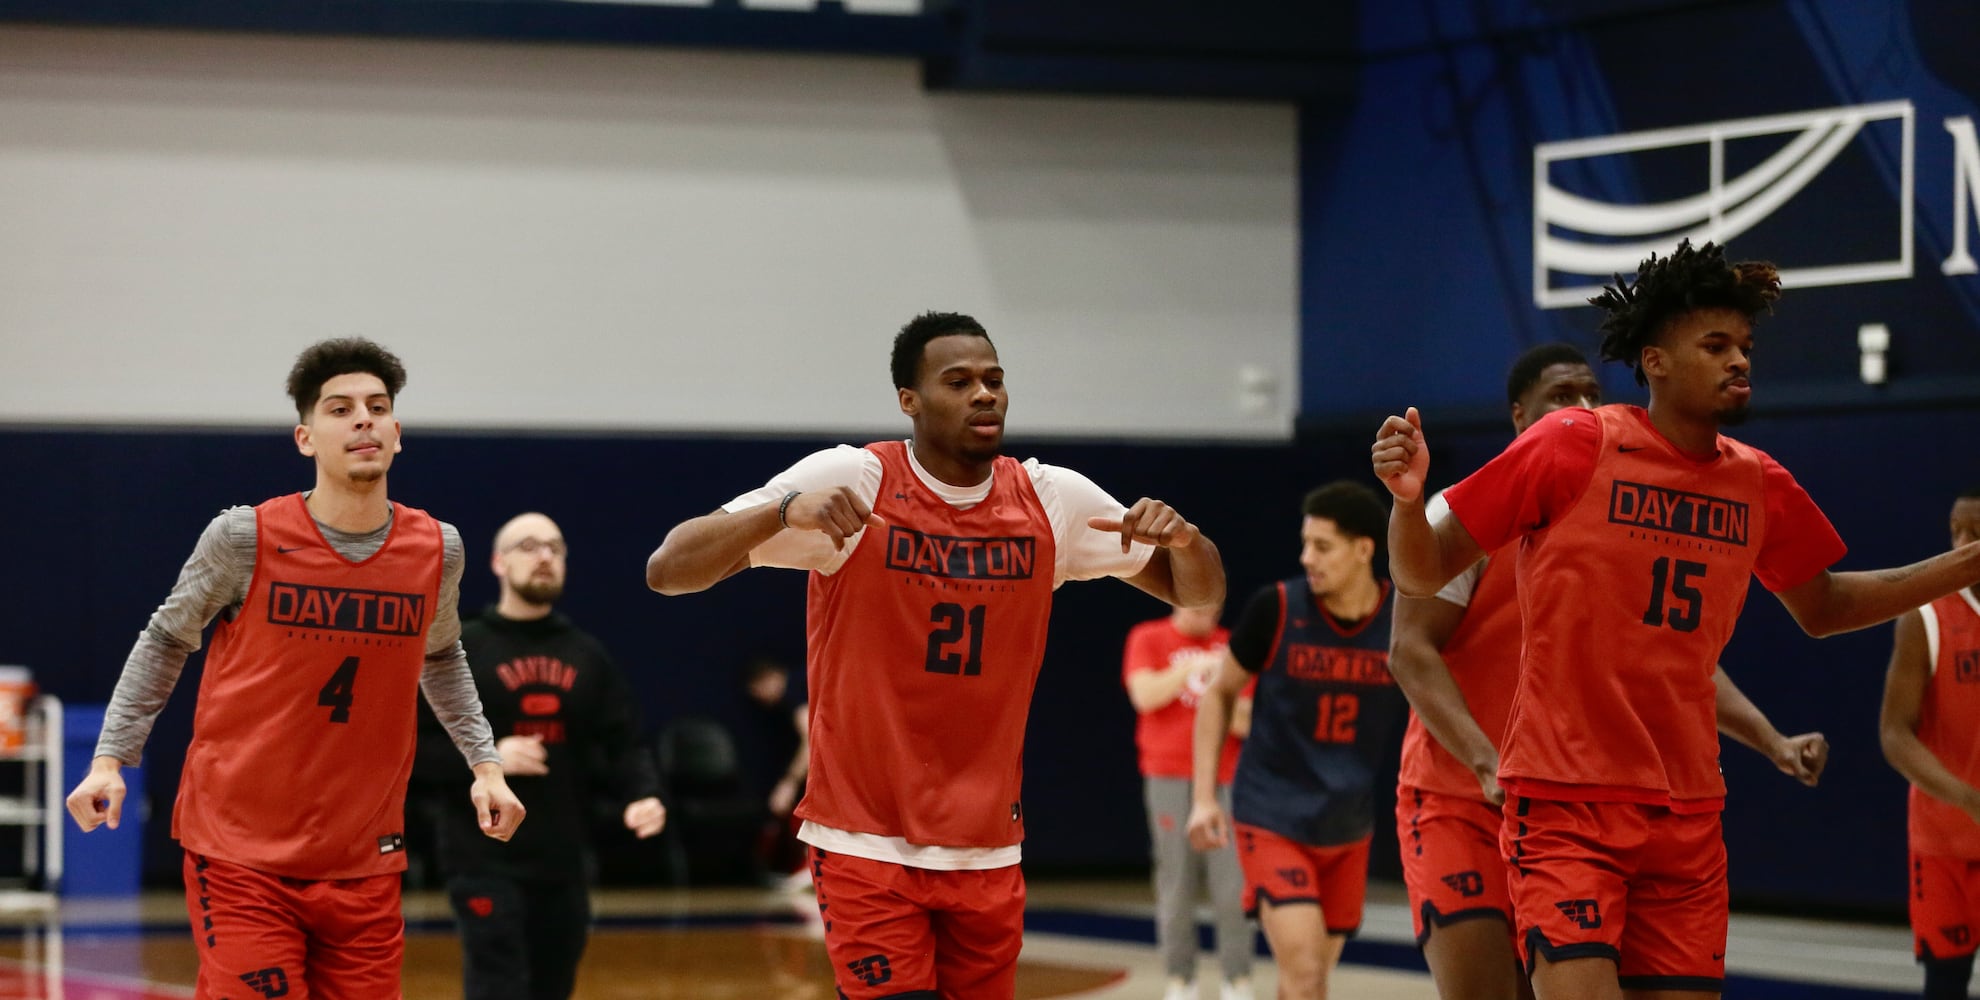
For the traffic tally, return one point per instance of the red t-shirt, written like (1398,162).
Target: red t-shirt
(304,730)
(1165,736)
(1632,572)
(1948,718)
(924,648)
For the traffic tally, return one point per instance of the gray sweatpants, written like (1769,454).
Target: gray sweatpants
(1180,876)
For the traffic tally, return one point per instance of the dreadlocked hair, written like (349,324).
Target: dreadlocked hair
(1690,278)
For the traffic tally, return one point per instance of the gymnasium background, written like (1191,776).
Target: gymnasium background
(637,257)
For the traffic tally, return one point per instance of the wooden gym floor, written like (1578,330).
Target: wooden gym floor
(1083,940)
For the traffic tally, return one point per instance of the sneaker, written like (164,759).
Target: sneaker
(1179,990)
(1236,989)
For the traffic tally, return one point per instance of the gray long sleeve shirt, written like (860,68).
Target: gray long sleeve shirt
(214,582)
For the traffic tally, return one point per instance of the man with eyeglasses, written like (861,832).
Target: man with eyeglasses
(566,724)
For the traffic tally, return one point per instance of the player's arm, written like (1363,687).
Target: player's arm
(1829,603)
(1897,730)
(1241,717)
(446,679)
(1147,544)
(1799,757)
(214,578)
(1185,569)
(447,682)
(1208,827)
(1421,627)
(1422,557)
(703,551)
(829,492)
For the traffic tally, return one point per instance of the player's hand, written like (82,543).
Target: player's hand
(783,798)
(838,513)
(646,817)
(1209,828)
(523,755)
(1802,757)
(1969,803)
(496,808)
(1400,455)
(1488,784)
(1150,521)
(99,798)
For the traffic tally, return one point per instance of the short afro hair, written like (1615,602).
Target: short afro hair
(1667,287)
(328,359)
(912,341)
(1527,367)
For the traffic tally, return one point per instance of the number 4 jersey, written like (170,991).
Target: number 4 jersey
(1632,572)
(925,639)
(303,734)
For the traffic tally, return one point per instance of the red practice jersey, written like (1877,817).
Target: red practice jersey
(1948,719)
(1632,572)
(304,731)
(1483,656)
(924,648)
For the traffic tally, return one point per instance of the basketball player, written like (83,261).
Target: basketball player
(1324,714)
(1640,529)
(336,605)
(1457,658)
(933,562)
(1930,715)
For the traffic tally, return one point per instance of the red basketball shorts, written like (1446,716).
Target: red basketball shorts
(1945,906)
(895,931)
(1639,885)
(1450,860)
(264,935)
(1282,871)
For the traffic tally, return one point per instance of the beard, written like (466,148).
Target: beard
(982,452)
(541,592)
(1733,416)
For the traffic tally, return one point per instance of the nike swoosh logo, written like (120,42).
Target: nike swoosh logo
(286,549)
(1718,956)
(1627,448)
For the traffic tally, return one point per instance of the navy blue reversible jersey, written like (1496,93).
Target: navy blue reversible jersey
(1325,712)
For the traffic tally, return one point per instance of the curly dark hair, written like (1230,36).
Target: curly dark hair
(325,360)
(1527,367)
(1667,287)
(1354,507)
(912,341)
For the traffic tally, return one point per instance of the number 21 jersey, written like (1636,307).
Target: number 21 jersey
(924,648)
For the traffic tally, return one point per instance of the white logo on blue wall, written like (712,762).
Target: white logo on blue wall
(1580,240)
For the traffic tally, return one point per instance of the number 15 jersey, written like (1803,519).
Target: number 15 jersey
(1632,572)
(925,636)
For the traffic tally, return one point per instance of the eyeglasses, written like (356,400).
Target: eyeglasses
(537,546)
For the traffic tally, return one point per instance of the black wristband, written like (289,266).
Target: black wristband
(784,508)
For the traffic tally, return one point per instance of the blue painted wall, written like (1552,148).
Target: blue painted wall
(1417,220)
